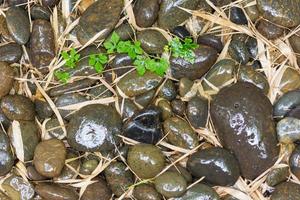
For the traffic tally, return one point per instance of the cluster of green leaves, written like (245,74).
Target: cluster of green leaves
(72,57)
(183,49)
(141,60)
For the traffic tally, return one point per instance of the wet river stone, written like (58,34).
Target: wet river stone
(33,174)
(238,51)
(94,128)
(294,162)
(6,78)
(165,107)
(118,177)
(181,32)
(146,192)
(237,16)
(53,191)
(71,87)
(121,64)
(49,157)
(133,85)
(15,2)
(200,192)
(125,31)
(286,191)
(185,86)
(40,12)
(286,103)
(277,176)
(220,74)
(290,80)
(128,108)
(43,109)
(145,126)
(10,53)
(152,41)
(238,125)
(197,111)
(288,130)
(294,112)
(96,191)
(145,12)
(42,45)
(170,15)
(67,173)
(295,43)
(88,166)
(53,128)
(269,30)
(170,184)
(66,100)
(282,12)
(18,107)
(180,133)
(211,41)
(178,107)
(216,164)
(92,23)
(18,24)
(145,160)
(6,155)
(145,99)
(50,3)
(29,138)
(17,188)
(248,74)
(205,58)
(168,90)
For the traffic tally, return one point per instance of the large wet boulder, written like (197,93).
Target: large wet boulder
(242,117)
(94,128)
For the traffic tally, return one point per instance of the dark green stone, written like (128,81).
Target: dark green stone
(118,177)
(152,41)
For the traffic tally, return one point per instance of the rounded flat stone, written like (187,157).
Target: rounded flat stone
(216,164)
(92,23)
(18,107)
(49,157)
(10,53)
(94,128)
(205,57)
(145,160)
(282,12)
(133,84)
(18,24)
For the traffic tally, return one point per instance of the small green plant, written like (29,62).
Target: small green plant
(111,44)
(62,76)
(71,57)
(97,61)
(182,49)
(142,61)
